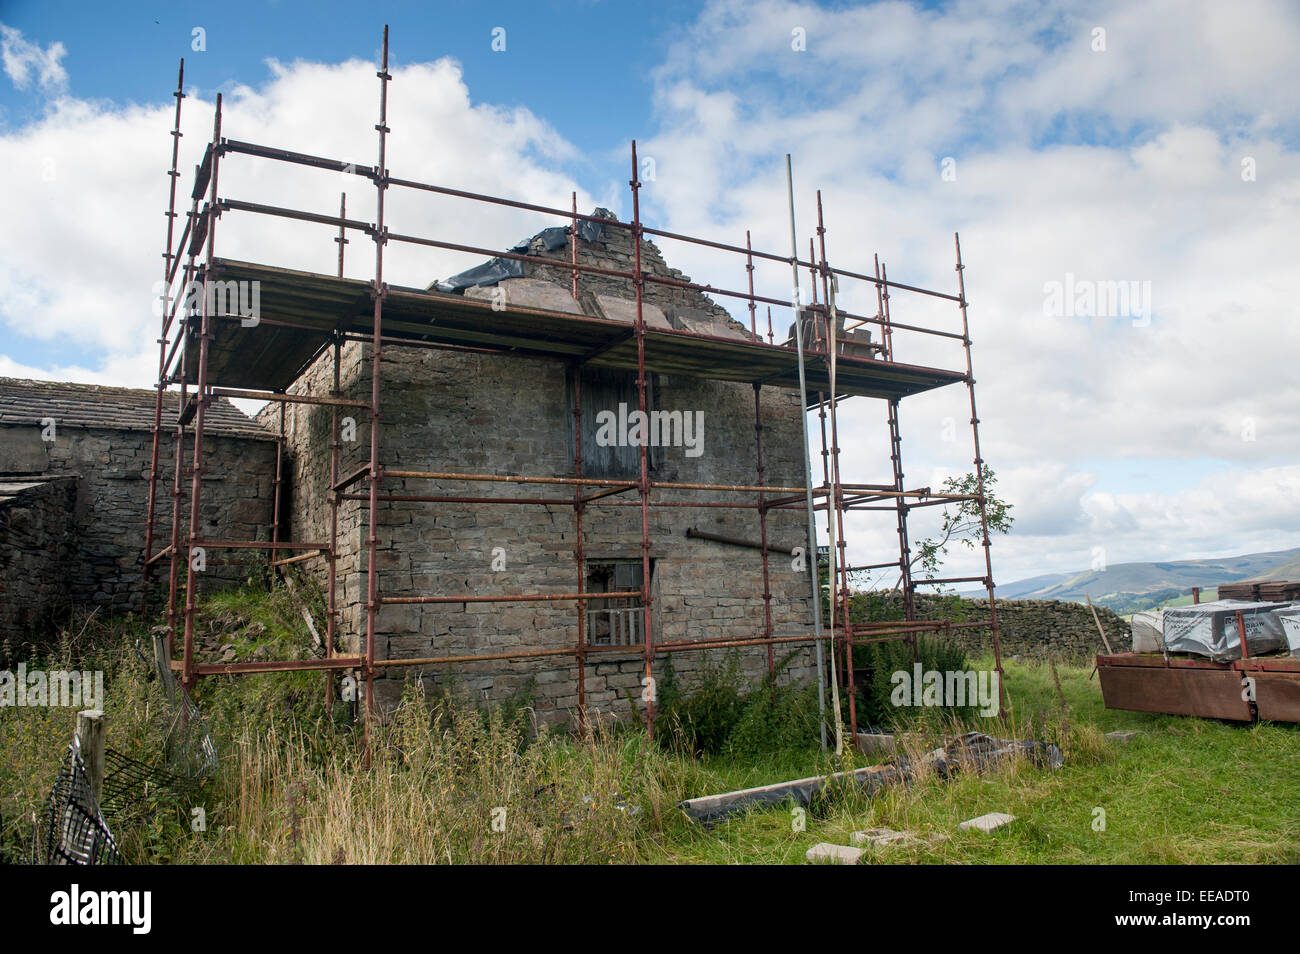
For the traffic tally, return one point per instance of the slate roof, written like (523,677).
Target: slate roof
(124,409)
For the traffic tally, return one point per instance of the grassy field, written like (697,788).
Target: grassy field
(448,783)
(1185,791)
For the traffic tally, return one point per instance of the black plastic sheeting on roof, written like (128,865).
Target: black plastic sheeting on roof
(497,269)
(589,230)
(489,273)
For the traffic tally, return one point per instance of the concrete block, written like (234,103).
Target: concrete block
(884,837)
(700,322)
(624,309)
(1122,735)
(826,853)
(987,823)
(880,837)
(530,293)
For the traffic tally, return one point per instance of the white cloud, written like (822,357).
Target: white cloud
(79,265)
(1122,165)
(1112,166)
(25,61)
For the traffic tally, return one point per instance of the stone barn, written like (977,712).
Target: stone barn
(476,413)
(553,471)
(74,496)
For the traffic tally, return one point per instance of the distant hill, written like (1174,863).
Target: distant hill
(1016,590)
(1125,587)
(1290,570)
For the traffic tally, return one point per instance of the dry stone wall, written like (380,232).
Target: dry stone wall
(1034,629)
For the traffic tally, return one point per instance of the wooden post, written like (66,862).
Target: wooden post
(1105,642)
(162,654)
(90,736)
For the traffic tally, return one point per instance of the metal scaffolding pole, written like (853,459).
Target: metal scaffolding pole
(979,475)
(643,484)
(201,399)
(173,174)
(762,530)
(837,550)
(331,582)
(896,459)
(814,572)
(374,474)
(579,552)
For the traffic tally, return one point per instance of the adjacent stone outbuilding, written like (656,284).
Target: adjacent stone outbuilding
(74,490)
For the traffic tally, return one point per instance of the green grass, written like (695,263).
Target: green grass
(291,784)
(1186,791)
(1208,595)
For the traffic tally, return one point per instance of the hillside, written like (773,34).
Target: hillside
(1289,570)
(1128,587)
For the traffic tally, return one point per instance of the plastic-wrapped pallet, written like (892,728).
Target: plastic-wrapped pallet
(1148,630)
(1210,629)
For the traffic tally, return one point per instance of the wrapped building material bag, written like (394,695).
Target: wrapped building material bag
(1148,630)
(1290,620)
(1210,629)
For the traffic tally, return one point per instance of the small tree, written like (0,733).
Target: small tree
(961,521)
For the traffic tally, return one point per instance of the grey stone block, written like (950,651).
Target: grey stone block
(826,853)
(987,823)
(529,293)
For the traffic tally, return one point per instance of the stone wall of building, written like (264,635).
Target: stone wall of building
(111,504)
(39,545)
(448,411)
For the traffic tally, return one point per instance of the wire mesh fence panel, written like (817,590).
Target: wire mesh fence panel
(189,758)
(71,830)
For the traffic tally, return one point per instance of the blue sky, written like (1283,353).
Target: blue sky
(1111,156)
(580,64)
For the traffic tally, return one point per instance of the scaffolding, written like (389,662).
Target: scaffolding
(204,354)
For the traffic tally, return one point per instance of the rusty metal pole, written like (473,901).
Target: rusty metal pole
(376,354)
(201,399)
(979,473)
(275,495)
(643,483)
(173,175)
(573,250)
(762,527)
(812,267)
(342,238)
(896,460)
(886,331)
(749,269)
(331,584)
(838,576)
(177,492)
(181,318)
(331,567)
(579,552)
